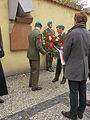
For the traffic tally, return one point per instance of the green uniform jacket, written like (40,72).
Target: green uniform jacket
(49,31)
(35,45)
(62,37)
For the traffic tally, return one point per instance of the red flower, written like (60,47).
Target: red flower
(48,40)
(53,44)
(58,40)
(47,36)
(55,36)
(62,44)
(58,47)
(53,40)
(47,45)
(52,36)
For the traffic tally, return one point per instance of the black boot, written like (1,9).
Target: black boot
(1,101)
(52,69)
(80,116)
(36,89)
(55,79)
(49,69)
(68,115)
(63,80)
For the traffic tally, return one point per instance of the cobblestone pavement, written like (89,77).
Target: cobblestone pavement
(47,104)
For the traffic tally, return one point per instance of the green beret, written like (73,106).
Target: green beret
(60,26)
(39,23)
(49,22)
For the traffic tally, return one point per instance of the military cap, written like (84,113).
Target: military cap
(49,22)
(60,26)
(38,23)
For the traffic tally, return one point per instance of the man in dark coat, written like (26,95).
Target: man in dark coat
(61,35)
(88,101)
(49,57)
(76,65)
(33,54)
(3,87)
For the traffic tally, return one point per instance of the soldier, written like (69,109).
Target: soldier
(35,47)
(49,57)
(60,30)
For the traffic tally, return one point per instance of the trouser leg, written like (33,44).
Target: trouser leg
(47,61)
(63,78)
(35,67)
(73,86)
(58,68)
(50,60)
(3,85)
(82,97)
(30,79)
(63,71)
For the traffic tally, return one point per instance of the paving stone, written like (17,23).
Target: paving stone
(47,104)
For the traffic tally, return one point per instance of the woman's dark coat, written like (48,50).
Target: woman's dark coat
(76,53)
(3,87)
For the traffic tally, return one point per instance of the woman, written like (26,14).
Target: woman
(88,101)
(76,65)
(3,87)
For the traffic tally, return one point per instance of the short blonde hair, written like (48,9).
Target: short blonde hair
(80,17)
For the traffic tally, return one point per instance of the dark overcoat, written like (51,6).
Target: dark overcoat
(3,87)
(76,53)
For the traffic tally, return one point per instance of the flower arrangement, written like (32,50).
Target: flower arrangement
(49,41)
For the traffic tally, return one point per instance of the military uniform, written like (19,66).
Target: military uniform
(35,47)
(61,35)
(59,66)
(49,57)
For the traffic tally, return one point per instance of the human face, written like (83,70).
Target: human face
(50,25)
(59,30)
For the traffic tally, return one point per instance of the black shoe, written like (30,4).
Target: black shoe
(68,115)
(49,69)
(1,101)
(35,89)
(80,116)
(55,79)
(63,80)
(30,85)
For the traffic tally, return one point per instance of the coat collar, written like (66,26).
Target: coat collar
(79,25)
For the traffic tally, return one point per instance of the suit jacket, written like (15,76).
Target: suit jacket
(76,53)
(35,45)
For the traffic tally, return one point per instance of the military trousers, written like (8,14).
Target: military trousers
(77,105)
(34,73)
(49,60)
(58,69)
